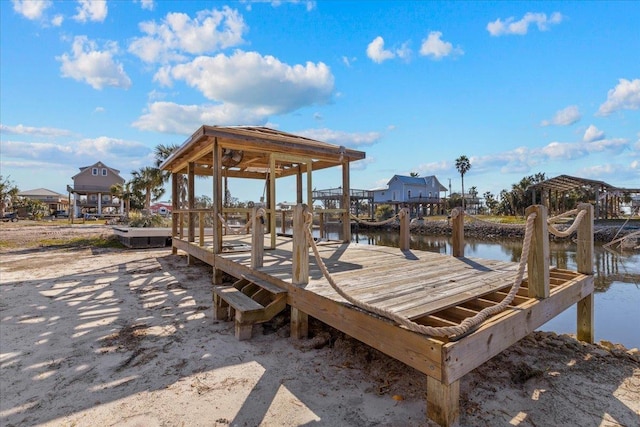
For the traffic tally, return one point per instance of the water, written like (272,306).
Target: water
(617,279)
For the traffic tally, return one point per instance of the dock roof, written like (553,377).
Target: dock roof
(246,151)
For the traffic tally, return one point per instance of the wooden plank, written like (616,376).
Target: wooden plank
(274,289)
(201,253)
(237,299)
(505,329)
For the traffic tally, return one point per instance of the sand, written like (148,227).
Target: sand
(107,336)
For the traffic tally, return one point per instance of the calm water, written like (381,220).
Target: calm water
(617,280)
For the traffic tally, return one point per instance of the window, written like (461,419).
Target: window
(408,194)
(93,197)
(104,172)
(94,171)
(106,198)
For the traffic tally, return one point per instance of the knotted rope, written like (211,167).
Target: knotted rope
(440,331)
(565,233)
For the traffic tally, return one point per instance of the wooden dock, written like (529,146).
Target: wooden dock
(429,288)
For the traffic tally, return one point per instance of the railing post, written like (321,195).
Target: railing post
(181,224)
(257,239)
(405,238)
(321,224)
(300,274)
(538,261)
(201,228)
(584,261)
(174,230)
(457,232)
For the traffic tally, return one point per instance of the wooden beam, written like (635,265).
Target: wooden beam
(443,402)
(300,269)
(174,207)
(405,235)
(257,240)
(584,261)
(538,262)
(271,203)
(346,202)
(457,233)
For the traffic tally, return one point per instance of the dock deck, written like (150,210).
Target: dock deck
(429,288)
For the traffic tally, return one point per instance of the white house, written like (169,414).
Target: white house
(409,189)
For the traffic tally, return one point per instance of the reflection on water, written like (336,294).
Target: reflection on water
(617,278)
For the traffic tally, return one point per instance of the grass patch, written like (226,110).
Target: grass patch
(81,242)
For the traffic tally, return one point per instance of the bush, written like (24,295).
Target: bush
(136,219)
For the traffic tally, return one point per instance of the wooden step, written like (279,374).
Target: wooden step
(276,290)
(231,302)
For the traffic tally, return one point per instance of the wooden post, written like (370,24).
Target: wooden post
(257,240)
(217,198)
(201,228)
(584,260)
(174,207)
(191,191)
(457,232)
(283,226)
(443,401)
(180,225)
(405,238)
(300,276)
(321,225)
(346,203)
(538,261)
(271,200)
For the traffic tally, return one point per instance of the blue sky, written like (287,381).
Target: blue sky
(518,87)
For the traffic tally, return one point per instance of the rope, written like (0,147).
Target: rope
(378,223)
(463,327)
(570,230)
(260,213)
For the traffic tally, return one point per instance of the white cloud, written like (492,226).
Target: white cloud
(177,34)
(169,117)
(433,46)
(593,134)
(348,61)
(31,9)
(33,131)
(99,110)
(260,83)
(34,150)
(614,173)
(110,148)
(337,137)
(57,20)
(625,96)
(97,68)
(521,27)
(91,10)
(147,4)
(565,117)
(309,4)
(376,51)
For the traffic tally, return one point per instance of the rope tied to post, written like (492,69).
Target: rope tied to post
(379,223)
(565,233)
(451,331)
(260,213)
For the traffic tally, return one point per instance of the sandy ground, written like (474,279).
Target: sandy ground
(125,337)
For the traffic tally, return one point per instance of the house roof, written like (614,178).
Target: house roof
(39,192)
(419,180)
(253,146)
(97,165)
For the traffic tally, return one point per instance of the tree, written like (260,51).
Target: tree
(490,201)
(124,193)
(8,194)
(148,180)
(414,174)
(463,165)
(162,153)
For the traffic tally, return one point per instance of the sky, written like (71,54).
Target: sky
(517,87)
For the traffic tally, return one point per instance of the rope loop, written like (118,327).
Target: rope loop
(565,233)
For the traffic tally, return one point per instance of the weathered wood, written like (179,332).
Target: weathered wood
(299,324)
(300,254)
(346,202)
(201,228)
(443,402)
(405,236)
(217,197)
(191,194)
(457,233)
(584,261)
(174,208)
(538,261)
(257,240)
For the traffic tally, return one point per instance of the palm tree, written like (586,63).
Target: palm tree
(162,153)
(149,180)
(414,174)
(125,193)
(463,165)
(8,194)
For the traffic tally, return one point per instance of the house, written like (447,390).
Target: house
(420,194)
(55,201)
(92,190)
(161,208)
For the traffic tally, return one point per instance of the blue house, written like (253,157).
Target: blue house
(421,194)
